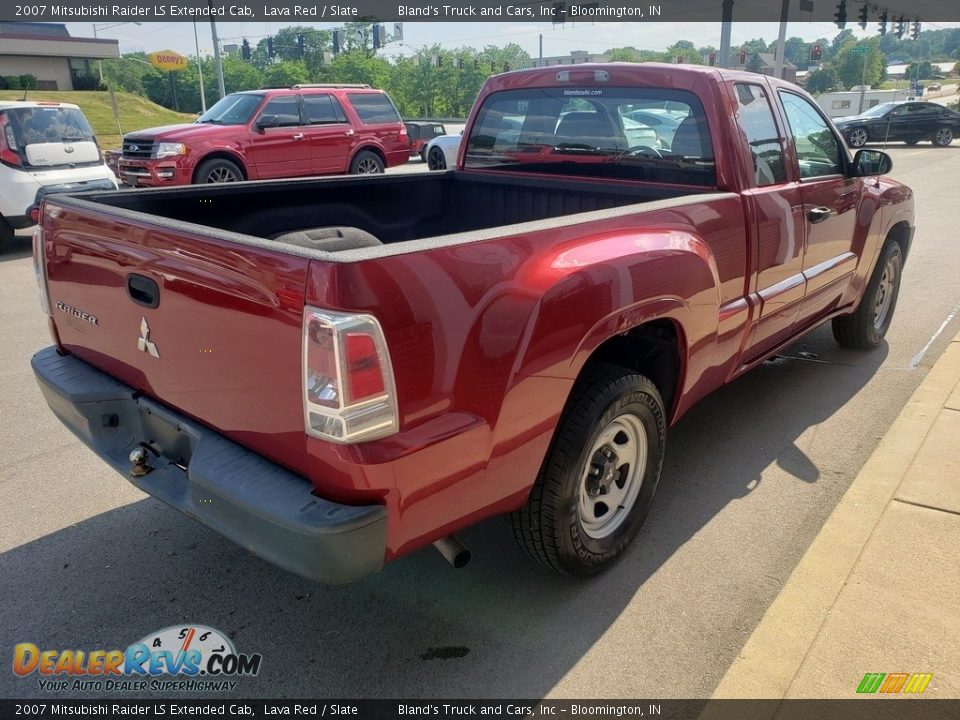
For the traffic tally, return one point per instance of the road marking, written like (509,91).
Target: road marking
(919,356)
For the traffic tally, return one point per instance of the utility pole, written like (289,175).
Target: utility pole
(781,39)
(196,41)
(216,52)
(541,48)
(725,27)
(863,79)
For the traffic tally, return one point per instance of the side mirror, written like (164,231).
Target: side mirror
(268,121)
(871,162)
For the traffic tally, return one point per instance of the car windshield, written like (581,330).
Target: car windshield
(878,110)
(232,110)
(49,124)
(595,132)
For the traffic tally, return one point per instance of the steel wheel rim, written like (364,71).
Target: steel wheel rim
(944,136)
(885,294)
(368,166)
(858,138)
(612,477)
(435,160)
(221,175)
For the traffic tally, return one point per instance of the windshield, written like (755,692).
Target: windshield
(49,124)
(627,133)
(232,110)
(878,110)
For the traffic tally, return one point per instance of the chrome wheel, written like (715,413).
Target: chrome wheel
(944,136)
(611,480)
(885,293)
(221,175)
(857,137)
(368,166)
(435,160)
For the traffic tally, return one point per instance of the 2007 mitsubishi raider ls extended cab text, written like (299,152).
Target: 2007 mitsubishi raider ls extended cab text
(333,377)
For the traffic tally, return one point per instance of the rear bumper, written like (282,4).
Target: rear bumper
(240,494)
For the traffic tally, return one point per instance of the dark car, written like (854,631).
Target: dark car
(909,122)
(421,133)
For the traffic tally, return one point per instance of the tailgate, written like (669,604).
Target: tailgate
(203,325)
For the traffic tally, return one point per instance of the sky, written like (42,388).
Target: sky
(557,40)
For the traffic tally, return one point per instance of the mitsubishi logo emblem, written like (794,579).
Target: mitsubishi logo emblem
(145,344)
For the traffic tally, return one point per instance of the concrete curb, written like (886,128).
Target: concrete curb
(774,653)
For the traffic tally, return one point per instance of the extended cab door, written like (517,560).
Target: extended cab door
(329,134)
(830,201)
(775,217)
(277,140)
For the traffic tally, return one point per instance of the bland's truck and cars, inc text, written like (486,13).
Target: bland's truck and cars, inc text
(334,376)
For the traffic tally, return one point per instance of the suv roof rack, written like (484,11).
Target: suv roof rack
(330,85)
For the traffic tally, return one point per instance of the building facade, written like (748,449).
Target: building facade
(48,52)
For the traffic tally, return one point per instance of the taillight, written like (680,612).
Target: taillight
(403,134)
(9,151)
(348,389)
(40,270)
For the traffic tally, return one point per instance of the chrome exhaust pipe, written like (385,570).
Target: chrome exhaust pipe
(453,550)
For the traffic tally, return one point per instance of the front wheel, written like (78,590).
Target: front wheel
(366,163)
(943,137)
(866,327)
(857,137)
(217,170)
(600,475)
(436,159)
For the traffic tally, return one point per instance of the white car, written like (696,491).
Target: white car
(45,148)
(441,152)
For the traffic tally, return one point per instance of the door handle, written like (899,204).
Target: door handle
(349,133)
(298,136)
(818,214)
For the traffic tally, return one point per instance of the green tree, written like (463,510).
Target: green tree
(286,73)
(754,63)
(855,68)
(821,81)
(920,71)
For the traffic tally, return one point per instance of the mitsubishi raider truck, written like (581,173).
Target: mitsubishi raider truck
(333,376)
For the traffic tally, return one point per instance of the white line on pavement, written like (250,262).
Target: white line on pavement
(919,356)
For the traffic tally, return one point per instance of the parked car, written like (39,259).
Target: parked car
(334,376)
(910,122)
(441,152)
(45,148)
(272,133)
(663,122)
(421,133)
(933,87)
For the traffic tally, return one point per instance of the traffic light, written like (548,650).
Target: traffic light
(743,56)
(901,27)
(336,41)
(476,63)
(864,13)
(883,23)
(915,30)
(245,49)
(713,59)
(270,52)
(840,16)
(459,63)
(506,67)
(816,52)
(301,45)
(377,32)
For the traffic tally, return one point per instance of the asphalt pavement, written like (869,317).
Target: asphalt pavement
(751,474)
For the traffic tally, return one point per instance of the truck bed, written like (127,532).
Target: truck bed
(393,209)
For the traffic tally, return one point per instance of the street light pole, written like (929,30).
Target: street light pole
(106,27)
(196,42)
(216,54)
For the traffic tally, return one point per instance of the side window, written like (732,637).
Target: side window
(322,110)
(374,108)
(755,118)
(285,109)
(818,149)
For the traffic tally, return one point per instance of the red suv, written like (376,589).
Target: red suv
(272,133)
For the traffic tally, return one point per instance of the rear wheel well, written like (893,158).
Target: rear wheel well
(370,148)
(651,349)
(221,155)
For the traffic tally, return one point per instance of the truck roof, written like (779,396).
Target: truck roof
(34,103)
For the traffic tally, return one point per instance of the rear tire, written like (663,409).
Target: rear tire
(857,137)
(366,163)
(943,137)
(217,170)
(608,448)
(6,235)
(866,327)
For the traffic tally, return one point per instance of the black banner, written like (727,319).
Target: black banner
(853,709)
(552,11)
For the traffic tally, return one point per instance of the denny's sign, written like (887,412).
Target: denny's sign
(167,60)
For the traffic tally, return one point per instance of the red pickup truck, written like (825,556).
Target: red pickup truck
(333,376)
